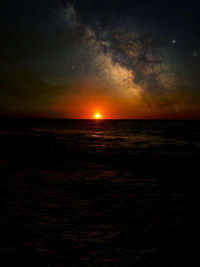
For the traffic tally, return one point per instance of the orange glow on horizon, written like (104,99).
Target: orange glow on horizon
(97,116)
(89,98)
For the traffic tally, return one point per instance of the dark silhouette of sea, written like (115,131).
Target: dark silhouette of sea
(99,192)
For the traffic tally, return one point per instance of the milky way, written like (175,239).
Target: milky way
(61,56)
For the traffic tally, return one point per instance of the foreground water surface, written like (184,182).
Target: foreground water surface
(99,192)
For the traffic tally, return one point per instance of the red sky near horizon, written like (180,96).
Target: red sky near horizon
(66,64)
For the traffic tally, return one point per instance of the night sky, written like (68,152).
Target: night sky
(124,59)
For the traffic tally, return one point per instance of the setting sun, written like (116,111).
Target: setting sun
(97,116)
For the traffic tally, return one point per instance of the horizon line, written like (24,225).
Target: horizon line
(93,119)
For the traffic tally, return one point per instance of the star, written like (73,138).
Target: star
(195,53)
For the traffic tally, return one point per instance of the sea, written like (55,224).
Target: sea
(99,192)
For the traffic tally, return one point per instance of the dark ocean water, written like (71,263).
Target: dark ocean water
(99,193)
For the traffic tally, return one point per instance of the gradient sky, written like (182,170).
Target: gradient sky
(124,59)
